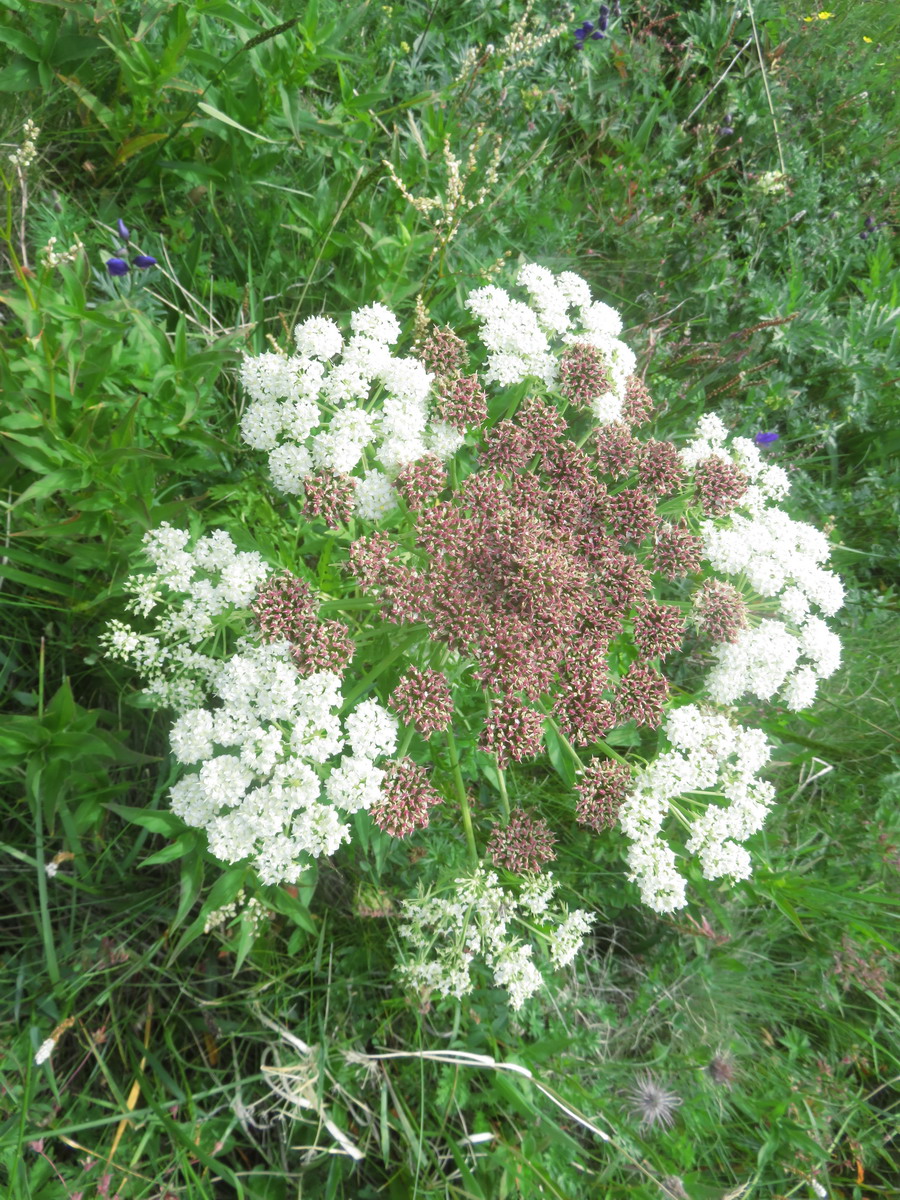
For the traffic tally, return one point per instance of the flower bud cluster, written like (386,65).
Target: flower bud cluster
(27,152)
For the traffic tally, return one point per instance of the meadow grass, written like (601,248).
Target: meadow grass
(712,173)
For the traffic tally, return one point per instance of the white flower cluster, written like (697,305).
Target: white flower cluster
(526,339)
(709,754)
(309,410)
(258,791)
(780,559)
(44,1051)
(254,914)
(767,481)
(189,588)
(447,936)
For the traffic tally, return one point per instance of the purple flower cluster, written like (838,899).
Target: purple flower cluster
(588,31)
(118,266)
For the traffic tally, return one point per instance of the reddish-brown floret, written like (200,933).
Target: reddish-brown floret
(407,795)
(658,629)
(524,844)
(641,695)
(719,611)
(602,789)
(720,485)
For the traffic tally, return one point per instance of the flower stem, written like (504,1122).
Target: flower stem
(462,798)
(504,798)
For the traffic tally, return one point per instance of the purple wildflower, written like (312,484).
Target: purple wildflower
(144,260)
(117,266)
(124,231)
(765,439)
(585,31)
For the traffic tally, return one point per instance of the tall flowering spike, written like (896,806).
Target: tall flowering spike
(602,789)
(525,844)
(330,496)
(407,796)
(720,485)
(443,352)
(420,483)
(720,611)
(641,695)
(583,376)
(638,406)
(512,731)
(461,403)
(422,699)
(659,629)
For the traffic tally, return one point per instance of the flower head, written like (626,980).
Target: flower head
(144,260)
(407,795)
(525,844)
(117,266)
(602,790)
(124,231)
(651,1103)
(765,439)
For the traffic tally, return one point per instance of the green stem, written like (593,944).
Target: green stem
(463,799)
(367,680)
(46,927)
(504,798)
(607,750)
(405,740)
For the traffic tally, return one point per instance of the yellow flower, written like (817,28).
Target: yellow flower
(865,39)
(823,15)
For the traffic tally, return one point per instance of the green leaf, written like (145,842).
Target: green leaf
(184,844)
(226,120)
(156,820)
(222,892)
(560,756)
